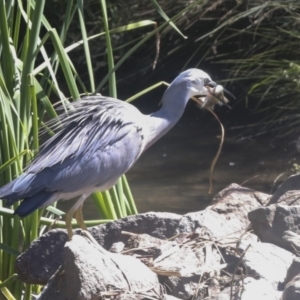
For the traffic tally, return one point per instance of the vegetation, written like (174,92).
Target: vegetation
(54,54)
(263,52)
(33,54)
(252,43)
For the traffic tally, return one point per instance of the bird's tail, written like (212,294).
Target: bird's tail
(30,204)
(22,187)
(32,200)
(8,195)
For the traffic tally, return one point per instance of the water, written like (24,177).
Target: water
(173,175)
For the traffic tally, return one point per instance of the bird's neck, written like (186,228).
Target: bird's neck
(174,102)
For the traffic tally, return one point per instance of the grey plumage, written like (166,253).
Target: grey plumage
(85,153)
(98,141)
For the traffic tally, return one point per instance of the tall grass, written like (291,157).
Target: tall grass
(252,44)
(32,55)
(258,45)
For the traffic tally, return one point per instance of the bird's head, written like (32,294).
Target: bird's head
(200,84)
(196,81)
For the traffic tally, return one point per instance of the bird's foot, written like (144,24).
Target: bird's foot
(88,236)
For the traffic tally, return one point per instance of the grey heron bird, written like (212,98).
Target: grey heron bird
(100,139)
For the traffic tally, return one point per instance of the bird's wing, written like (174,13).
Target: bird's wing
(95,123)
(98,142)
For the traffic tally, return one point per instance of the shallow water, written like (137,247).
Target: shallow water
(173,175)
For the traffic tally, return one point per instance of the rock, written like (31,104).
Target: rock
(235,191)
(213,288)
(188,261)
(117,247)
(193,257)
(292,240)
(292,289)
(169,297)
(228,216)
(178,260)
(288,192)
(159,225)
(259,271)
(267,261)
(259,289)
(277,224)
(181,287)
(288,198)
(43,258)
(251,289)
(190,287)
(127,295)
(89,270)
(293,270)
(144,244)
(144,247)
(122,295)
(231,209)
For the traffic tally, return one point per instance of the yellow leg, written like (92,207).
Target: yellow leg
(77,210)
(79,218)
(68,220)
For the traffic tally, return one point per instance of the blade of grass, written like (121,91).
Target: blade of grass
(166,18)
(110,56)
(128,194)
(64,62)
(86,44)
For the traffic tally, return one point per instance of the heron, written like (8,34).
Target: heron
(99,140)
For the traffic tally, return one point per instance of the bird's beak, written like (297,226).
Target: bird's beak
(214,94)
(212,84)
(227,93)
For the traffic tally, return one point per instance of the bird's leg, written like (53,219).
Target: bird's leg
(71,212)
(79,218)
(68,220)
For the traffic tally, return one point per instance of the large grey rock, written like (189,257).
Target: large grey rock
(267,261)
(228,216)
(288,192)
(293,270)
(89,270)
(292,289)
(43,258)
(277,224)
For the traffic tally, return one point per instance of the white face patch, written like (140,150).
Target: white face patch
(195,89)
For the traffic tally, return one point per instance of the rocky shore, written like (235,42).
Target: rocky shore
(245,245)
